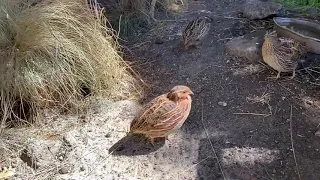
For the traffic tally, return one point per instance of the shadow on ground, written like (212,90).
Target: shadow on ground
(135,145)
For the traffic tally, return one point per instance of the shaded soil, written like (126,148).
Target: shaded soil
(209,73)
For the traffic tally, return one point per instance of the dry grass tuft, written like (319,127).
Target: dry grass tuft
(55,53)
(127,16)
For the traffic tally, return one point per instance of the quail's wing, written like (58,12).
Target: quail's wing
(286,52)
(160,114)
(189,30)
(288,47)
(202,28)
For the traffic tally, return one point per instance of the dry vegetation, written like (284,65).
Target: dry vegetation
(126,16)
(55,53)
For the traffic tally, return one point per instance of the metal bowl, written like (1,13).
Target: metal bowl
(303,30)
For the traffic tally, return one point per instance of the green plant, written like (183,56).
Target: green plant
(301,4)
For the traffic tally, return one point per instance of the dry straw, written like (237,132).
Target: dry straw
(50,51)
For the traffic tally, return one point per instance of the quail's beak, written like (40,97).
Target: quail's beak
(191,93)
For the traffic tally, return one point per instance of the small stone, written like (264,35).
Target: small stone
(309,102)
(260,9)
(82,168)
(274,171)
(317,133)
(60,158)
(107,135)
(63,170)
(164,155)
(158,41)
(224,104)
(156,155)
(96,112)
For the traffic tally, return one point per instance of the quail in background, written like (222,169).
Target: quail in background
(281,53)
(196,30)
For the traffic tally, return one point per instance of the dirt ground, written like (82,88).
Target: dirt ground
(258,138)
(240,126)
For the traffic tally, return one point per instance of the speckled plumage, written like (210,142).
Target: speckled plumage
(196,30)
(164,114)
(282,53)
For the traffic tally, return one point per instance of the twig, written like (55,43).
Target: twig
(255,114)
(139,44)
(230,17)
(286,89)
(197,164)
(119,26)
(223,39)
(314,83)
(291,137)
(216,156)
(173,20)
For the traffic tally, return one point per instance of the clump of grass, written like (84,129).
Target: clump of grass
(53,54)
(128,16)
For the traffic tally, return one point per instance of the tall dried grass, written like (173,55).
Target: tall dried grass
(51,51)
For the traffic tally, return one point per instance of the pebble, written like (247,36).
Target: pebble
(63,170)
(82,168)
(224,104)
(107,135)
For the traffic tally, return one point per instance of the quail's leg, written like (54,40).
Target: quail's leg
(275,77)
(127,130)
(198,44)
(278,75)
(151,139)
(172,140)
(293,74)
(167,138)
